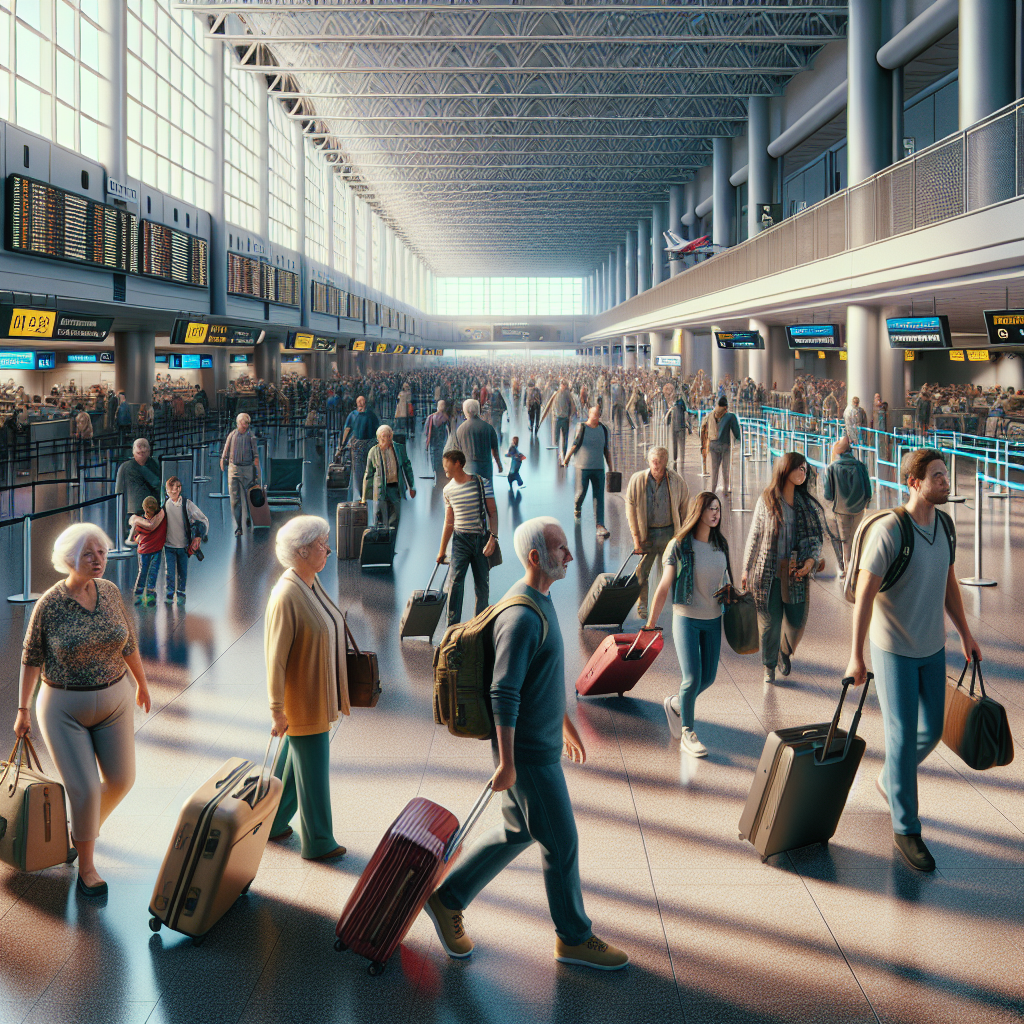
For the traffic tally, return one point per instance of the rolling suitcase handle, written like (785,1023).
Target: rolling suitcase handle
(259,792)
(622,568)
(629,656)
(851,732)
(437,565)
(459,836)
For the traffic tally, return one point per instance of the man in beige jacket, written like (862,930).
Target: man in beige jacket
(656,501)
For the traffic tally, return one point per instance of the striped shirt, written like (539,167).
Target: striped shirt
(464,501)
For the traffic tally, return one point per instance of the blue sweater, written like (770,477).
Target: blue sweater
(528,687)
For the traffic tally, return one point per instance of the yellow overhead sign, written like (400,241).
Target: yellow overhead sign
(956,355)
(977,355)
(303,340)
(32,323)
(908,355)
(196,334)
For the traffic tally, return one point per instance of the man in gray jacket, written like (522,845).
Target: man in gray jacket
(847,484)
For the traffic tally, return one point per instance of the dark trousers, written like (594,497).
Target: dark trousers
(534,414)
(562,434)
(468,553)
(389,507)
(176,560)
(513,475)
(781,625)
(591,478)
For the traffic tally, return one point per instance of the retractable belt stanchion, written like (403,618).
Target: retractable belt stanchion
(743,481)
(120,549)
(26,596)
(223,492)
(953,496)
(199,464)
(977,580)
(998,490)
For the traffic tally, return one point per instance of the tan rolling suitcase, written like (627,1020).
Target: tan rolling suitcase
(33,818)
(217,846)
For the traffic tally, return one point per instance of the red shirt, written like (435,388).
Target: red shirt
(153,540)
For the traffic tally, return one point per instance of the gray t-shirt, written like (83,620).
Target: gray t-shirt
(591,451)
(909,618)
(787,530)
(476,439)
(709,576)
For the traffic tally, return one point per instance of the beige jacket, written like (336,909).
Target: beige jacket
(636,502)
(307,676)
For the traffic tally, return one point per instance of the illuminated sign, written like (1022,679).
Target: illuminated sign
(198,332)
(358,345)
(18,322)
(668,360)
(46,360)
(106,357)
(814,336)
(1005,326)
(978,355)
(739,339)
(161,359)
(956,355)
(17,359)
(309,342)
(206,362)
(32,323)
(83,357)
(239,357)
(186,361)
(914,332)
(528,332)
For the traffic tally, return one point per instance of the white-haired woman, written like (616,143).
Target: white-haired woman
(307,682)
(81,641)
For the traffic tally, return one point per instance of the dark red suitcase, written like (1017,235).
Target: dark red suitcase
(408,865)
(617,665)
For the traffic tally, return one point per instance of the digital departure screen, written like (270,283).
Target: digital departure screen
(309,342)
(257,280)
(739,339)
(161,359)
(239,357)
(46,360)
(83,357)
(206,362)
(325,298)
(186,361)
(1005,326)
(17,359)
(668,360)
(919,332)
(172,255)
(814,336)
(198,332)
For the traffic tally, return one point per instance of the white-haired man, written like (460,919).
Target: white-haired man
(388,473)
(532,732)
(242,459)
(137,479)
(478,441)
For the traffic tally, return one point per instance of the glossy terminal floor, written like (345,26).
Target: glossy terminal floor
(843,934)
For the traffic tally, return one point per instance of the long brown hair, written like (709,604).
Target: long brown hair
(772,494)
(698,506)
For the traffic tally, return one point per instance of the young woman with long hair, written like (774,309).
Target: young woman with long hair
(696,567)
(783,548)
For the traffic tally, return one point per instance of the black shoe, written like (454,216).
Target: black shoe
(785,665)
(913,851)
(72,855)
(92,891)
(238,532)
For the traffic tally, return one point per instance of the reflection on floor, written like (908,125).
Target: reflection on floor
(842,933)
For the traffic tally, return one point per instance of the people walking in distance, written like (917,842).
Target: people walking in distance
(696,563)
(389,477)
(656,500)
(516,459)
(907,630)
(854,418)
(783,548)
(438,430)
(591,446)
(618,400)
(676,418)
(150,531)
(187,528)
(498,408)
(478,441)
(359,433)
(471,524)
(81,643)
(722,427)
(830,407)
(242,459)
(405,419)
(562,406)
(532,732)
(847,485)
(534,400)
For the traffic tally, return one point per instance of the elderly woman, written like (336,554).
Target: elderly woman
(307,681)
(438,429)
(81,641)
(388,477)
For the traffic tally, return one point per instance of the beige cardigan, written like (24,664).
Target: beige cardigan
(636,502)
(302,667)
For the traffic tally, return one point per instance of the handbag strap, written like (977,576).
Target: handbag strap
(976,676)
(349,638)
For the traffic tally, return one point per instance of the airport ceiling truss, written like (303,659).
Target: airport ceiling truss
(520,138)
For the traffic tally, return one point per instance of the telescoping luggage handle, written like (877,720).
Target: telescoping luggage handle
(437,565)
(259,792)
(459,836)
(622,568)
(629,655)
(851,732)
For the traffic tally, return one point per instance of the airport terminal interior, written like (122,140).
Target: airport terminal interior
(294,257)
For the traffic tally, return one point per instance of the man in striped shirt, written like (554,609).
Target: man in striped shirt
(242,460)
(471,523)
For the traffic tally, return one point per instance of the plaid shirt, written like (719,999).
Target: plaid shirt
(760,560)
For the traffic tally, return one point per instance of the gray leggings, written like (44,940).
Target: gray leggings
(91,737)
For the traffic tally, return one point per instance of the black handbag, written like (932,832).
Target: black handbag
(976,728)
(739,620)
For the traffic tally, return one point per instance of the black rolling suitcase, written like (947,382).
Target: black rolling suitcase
(610,598)
(339,474)
(802,782)
(424,609)
(377,550)
(351,524)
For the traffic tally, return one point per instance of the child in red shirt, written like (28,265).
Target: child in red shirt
(151,532)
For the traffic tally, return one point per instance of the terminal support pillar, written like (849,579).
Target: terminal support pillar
(630,261)
(780,361)
(723,361)
(216,379)
(675,221)
(643,255)
(868,109)
(661,345)
(724,193)
(629,346)
(759,163)
(620,274)
(659,221)
(757,362)
(135,365)
(268,360)
(612,278)
(987,61)
(890,366)
(862,363)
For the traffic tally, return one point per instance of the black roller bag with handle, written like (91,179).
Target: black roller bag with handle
(802,782)
(424,609)
(377,550)
(611,597)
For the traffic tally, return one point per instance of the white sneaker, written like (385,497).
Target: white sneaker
(689,744)
(675,721)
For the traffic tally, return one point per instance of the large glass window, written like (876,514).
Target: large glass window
(316,203)
(170,130)
(342,228)
(509,296)
(284,196)
(362,240)
(243,97)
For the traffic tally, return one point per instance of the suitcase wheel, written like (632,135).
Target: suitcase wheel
(375,969)
(340,946)
(198,940)
(154,924)
(247,887)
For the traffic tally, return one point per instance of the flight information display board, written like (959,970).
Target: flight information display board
(739,339)
(46,360)
(309,342)
(668,360)
(919,332)
(198,332)
(325,298)
(1005,326)
(17,359)
(172,255)
(257,280)
(814,336)
(186,361)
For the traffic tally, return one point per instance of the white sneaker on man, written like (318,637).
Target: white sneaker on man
(689,744)
(675,720)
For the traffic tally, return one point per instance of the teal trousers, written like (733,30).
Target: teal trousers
(304,768)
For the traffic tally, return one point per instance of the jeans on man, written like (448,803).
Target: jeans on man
(240,479)
(533,412)
(468,553)
(654,547)
(562,434)
(149,566)
(780,625)
(721,459)
(591,478)
(176,563)
(678,445)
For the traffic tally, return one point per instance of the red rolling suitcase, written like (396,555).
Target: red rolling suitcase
(407,866)
(617,665)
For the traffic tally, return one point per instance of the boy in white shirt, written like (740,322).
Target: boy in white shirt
(186,528)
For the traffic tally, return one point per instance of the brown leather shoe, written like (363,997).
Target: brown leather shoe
(282,836)
(338,851)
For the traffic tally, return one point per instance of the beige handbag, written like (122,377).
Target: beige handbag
(33,818)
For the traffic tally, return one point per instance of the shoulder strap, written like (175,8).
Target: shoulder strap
(906,551)
(950,527)
(490,614)
(483,503)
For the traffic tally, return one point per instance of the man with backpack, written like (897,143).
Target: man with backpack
(847,484)
(903,573)
(532,731)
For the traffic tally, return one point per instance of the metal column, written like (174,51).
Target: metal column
(643,255)
(987,60)
(759,163)
(659,221)
(135,365)
(862,376)
(724,193)
(620,274)
(868,110)
(675,221)
(630,261)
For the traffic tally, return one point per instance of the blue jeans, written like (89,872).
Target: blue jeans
(562,434)
(912,695)
(149,566)
(468,553)
(698,647)
(176,559)
(536,810)
(591,478)
(513,475)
